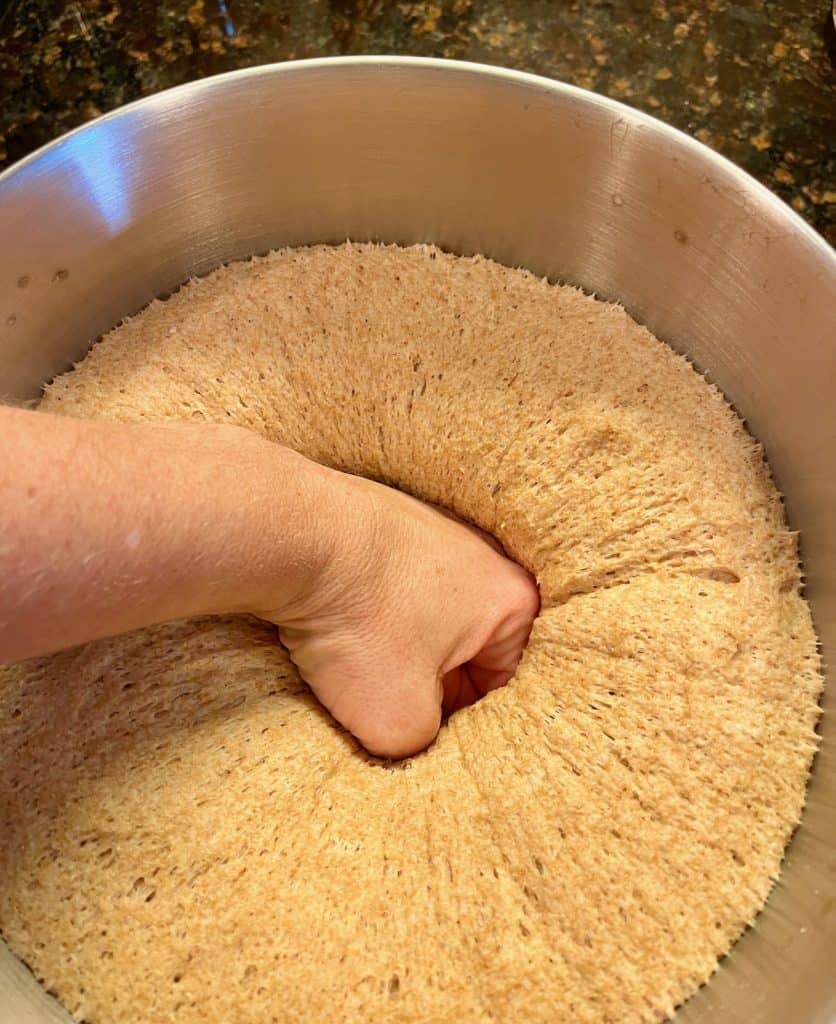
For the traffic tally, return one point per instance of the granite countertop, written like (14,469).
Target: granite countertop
(753,79)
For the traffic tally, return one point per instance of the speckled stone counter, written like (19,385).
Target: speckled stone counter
(753,79)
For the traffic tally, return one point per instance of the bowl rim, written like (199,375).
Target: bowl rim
(174,96)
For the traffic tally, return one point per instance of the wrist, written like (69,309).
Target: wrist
(290,532)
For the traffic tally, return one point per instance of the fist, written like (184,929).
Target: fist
(414,615)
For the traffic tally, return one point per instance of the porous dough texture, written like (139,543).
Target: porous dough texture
(188,837)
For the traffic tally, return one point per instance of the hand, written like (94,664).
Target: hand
(389,608)
(413,614)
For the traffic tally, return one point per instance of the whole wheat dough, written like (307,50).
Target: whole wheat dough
(187,837)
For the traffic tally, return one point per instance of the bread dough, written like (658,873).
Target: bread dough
(188,837)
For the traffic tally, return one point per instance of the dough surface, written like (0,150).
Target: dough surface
(185,836)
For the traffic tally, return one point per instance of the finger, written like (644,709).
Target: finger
(401,726)
(495,664)
(392,714)
(459,691)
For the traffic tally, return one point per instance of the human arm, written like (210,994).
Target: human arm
(385,604)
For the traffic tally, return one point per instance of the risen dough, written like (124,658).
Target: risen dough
(187,837)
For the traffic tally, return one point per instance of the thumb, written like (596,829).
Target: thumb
(392,717)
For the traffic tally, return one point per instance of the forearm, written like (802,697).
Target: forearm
(107,527)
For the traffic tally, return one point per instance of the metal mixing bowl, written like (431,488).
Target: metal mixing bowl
(475,159)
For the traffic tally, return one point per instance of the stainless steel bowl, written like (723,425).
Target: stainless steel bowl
(475,159)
